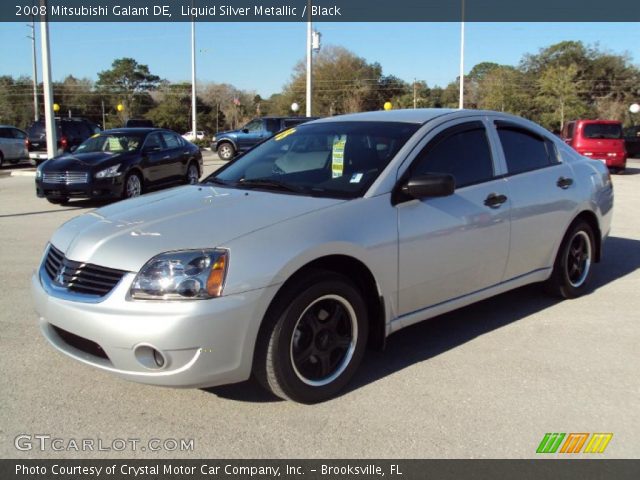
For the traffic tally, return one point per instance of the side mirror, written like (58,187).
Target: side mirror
(245,130)
(429,185)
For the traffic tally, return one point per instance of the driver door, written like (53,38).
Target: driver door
(453,246)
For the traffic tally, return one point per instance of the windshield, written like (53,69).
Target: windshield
(114,143)
(603,130)
(334,159)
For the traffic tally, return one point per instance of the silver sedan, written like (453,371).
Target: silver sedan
(292,259)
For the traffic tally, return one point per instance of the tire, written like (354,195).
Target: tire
(226,151)
(58,201)
(313,339)
(133,186)
(193,174)
(1,159)
(574,262)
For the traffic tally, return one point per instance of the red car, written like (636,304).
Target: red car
(598,139)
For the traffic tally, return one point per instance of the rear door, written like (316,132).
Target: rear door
(154,157)
(174,167)
(453,246)
(541,190)
(20,143)
(7,143)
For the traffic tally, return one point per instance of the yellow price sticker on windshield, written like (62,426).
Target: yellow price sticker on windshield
(95,135)
(337,156)
(284,134)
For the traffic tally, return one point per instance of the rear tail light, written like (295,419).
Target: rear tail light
(27,144)
(64,143)
(612,154)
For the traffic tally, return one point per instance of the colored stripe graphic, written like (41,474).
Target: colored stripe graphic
(598,443)
(550,443)
(574,442)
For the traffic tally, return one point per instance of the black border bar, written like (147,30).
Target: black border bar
(325,10)
(582,469)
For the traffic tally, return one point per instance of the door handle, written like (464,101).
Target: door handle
(564,182)
(495,200)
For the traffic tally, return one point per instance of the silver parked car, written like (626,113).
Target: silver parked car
(13,144)
(326,238)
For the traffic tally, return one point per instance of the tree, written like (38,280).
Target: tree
(343,82)
(129,83)
(173,110)
(558,95)
(16,101)
(504,89)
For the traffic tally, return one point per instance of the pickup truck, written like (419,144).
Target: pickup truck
(228,144)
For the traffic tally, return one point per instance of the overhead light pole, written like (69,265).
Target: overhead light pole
(461,99)
(309,58)
(32,26)
(52,140)
(193,80)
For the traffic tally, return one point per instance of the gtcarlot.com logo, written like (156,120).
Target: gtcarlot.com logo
(44,442)
(574,442)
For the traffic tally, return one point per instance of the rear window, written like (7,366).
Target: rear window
(37,129)
(602,130)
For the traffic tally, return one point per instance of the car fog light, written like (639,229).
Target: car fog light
(158,358)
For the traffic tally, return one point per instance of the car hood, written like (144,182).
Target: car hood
(127,234)
(80,161)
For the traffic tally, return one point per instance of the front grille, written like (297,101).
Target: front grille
(65,178)
(83,344)
(80,277)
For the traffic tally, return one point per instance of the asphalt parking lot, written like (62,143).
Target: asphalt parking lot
(487,381)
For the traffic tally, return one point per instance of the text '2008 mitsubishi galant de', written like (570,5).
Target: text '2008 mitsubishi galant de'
(328,237)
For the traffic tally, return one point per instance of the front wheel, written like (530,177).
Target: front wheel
(574,262)
(313,342)
(132,186)
(226,151)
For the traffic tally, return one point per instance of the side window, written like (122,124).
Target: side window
(462,151)
(170,140)
(19,134)
(5,133)
(523,151)
(153,142)
(570,129)
(273,125)
(254,126)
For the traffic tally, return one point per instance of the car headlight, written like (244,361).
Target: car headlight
(182,275)
(39,172)
(213,139)
(109,172)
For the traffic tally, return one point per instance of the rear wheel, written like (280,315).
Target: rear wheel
(193,174)
(313,341)
(573,265)
(132,186)
(226,151)
(1,159)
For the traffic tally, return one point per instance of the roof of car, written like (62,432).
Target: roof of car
(419,115)
(136,130)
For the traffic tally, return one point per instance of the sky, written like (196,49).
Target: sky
(260,56)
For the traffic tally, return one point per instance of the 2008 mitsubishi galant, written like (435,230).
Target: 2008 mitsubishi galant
(330,236)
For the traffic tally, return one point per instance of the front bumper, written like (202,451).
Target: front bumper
(94,188)
(204,342)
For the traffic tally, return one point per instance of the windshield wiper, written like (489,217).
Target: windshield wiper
(269,183)
(217,181)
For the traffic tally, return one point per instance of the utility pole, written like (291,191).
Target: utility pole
(104,121)
(309,57)
(193,80)
(36,113)
(50,121)
(461,101)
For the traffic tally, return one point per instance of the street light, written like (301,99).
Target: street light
(52,140)
(32,26)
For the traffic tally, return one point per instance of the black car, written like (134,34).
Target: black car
(138,123)
(121,163)
(70,132)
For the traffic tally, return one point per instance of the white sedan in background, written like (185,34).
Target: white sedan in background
(189,136)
